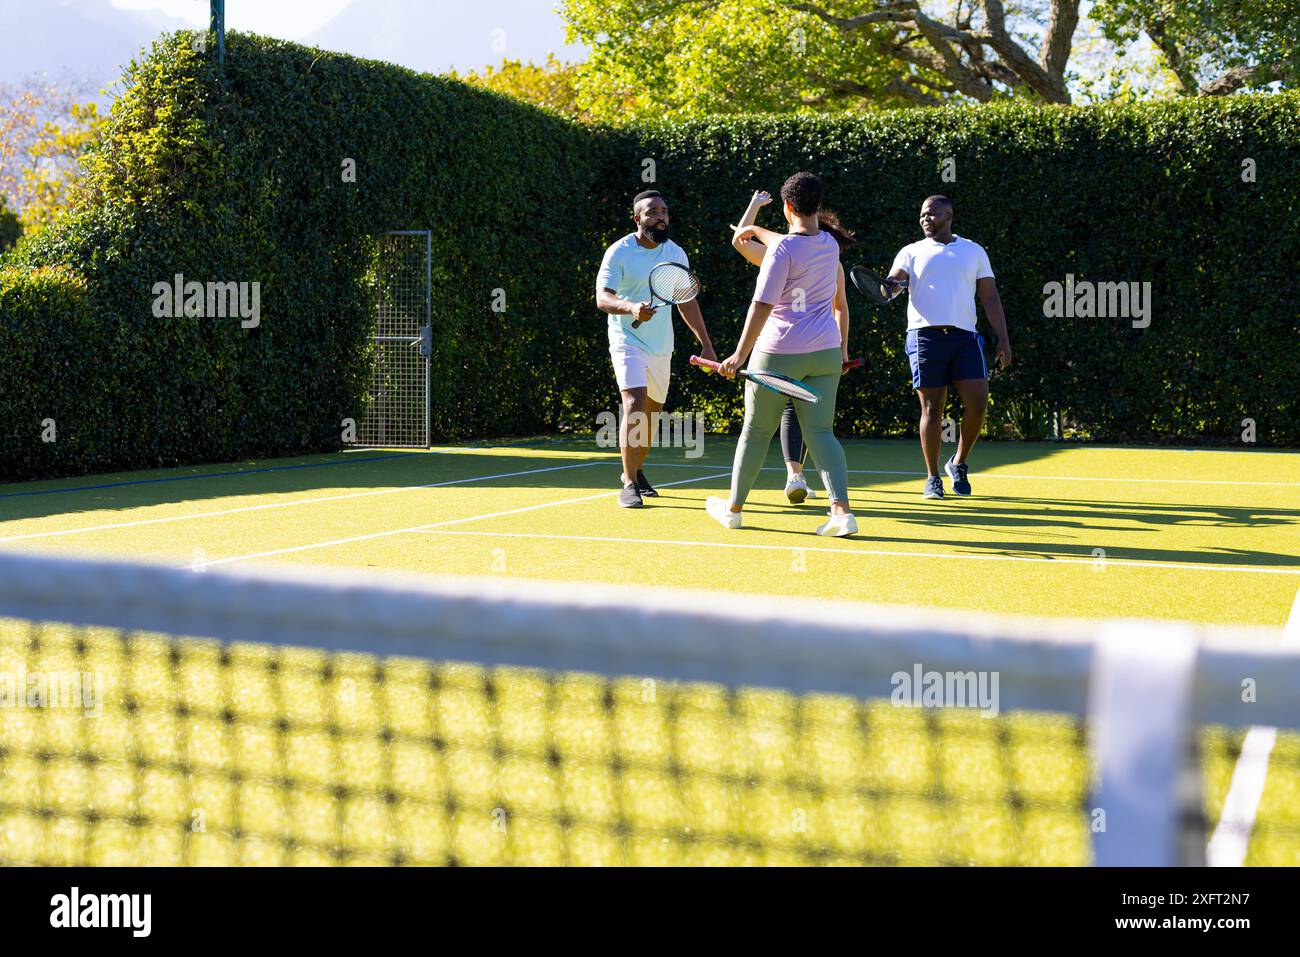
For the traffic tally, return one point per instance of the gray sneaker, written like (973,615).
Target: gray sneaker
(644,487)
(957,472)
(933,487)
(630,497)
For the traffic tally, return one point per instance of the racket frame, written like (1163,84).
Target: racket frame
(637,323)
(754,378)
(867,282)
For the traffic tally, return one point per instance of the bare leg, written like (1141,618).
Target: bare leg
(652,410)
(633,432)
(932,403)
(974,395)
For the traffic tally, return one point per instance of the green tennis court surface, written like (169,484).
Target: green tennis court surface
(1208,536)
(253,754)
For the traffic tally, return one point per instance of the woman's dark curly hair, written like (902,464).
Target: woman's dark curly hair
(803,191)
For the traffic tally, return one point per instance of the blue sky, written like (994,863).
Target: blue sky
(428,35)
(86,42)
(90,40)
(287,19)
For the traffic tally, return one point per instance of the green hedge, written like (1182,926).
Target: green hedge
(1142,193)
(240,179)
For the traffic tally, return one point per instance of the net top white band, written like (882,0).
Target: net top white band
(793,644)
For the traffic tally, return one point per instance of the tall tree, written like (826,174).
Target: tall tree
(56,163)
(551,85)
(666,57)
(1213,47)
(729,55)
(652,58)
(44,131)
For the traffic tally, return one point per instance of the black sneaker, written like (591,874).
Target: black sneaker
(957,472)
(630,497)
(933,487)
(644,487)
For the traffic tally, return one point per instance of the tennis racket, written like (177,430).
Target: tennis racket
(672,283)
(872,286)
(768,380)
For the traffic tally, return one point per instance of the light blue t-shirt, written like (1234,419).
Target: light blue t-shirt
(626,269)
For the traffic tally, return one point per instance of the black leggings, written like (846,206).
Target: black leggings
(791,436)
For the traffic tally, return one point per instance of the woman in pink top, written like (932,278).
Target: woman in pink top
(792,446)
(791,329)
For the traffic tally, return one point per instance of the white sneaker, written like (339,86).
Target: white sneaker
(839,526)
(796,489)
(720,510)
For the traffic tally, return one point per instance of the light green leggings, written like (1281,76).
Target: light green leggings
(821,371)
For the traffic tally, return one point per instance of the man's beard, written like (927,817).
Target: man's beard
(659,234)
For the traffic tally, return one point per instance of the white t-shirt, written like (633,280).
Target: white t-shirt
(941,281)
(626,269)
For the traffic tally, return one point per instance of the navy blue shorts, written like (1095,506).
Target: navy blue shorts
(942,355)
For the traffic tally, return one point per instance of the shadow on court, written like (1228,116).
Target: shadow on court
(758,518)
(548,464)
(1076,525)
(577,465)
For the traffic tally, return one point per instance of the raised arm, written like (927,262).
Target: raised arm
(747,246)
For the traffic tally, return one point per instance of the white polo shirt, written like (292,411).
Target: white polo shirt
(941,281)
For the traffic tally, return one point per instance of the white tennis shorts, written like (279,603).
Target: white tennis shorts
(635,368)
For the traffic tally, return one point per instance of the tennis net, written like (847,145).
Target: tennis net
(151,715)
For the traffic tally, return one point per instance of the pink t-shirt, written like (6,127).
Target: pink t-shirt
(799,277)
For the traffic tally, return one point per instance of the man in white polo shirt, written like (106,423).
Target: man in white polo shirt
(944,272)
(643,353)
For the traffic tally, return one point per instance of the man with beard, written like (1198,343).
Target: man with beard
(642,354)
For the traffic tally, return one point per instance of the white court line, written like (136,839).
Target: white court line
(1103,562)
(431,525)
(90,529)
(1010,475)
(298,501)
(1231,839)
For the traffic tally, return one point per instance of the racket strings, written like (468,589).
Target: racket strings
(674,285)
(796,390)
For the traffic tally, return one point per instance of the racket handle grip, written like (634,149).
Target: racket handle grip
(853,364)
(706,363)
